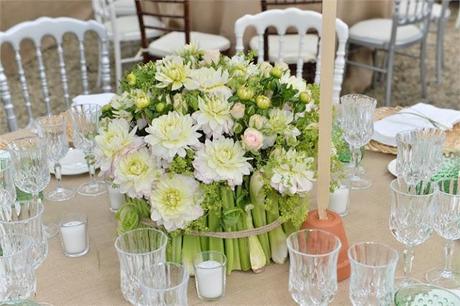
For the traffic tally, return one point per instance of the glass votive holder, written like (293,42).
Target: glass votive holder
(340,199)
(116,198)
(74,235)
(210,275)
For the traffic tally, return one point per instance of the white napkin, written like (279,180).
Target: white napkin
(101,99)
(385,130)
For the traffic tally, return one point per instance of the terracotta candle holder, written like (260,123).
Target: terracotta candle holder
(333,225)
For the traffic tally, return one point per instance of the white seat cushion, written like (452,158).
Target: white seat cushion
(124,7)
(173,41)
(436,11)
(290,47)
(128,27)
(378,31)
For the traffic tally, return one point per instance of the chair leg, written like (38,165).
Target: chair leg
(118,68)
(389,80)
(375,74)
(439,50)
(423,67)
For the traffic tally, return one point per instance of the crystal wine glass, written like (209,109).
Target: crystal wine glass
(419,154)
(358,126)
(313,258)
(31,172)
(373,267)
(446,223)
(85,122)
(7,187)
(53,129)
(410,219)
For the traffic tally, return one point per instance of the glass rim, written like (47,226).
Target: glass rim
(39,119)
(72,217)
(38,214)
(9,161)
(401,134)
(394,260)
(447,193)
(393,188)
(27,239)
(85,106)
(335,250)
(163,243)
(185,276)
(223,263)
(358,95)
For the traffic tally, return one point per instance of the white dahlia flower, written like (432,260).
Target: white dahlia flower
(136,172)
(175,201)
(279,123)
(292,172)
(171,71)
(209,80)
(214,116)
(171,134)
(221,160)
(294,82)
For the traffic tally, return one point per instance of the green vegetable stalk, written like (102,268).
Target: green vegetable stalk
(243,243)
(231,216)
(214,225)
(257,195)
(176,248)
(277,237)
(191,247)
(256,252)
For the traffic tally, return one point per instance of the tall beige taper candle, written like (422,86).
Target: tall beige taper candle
(325,113)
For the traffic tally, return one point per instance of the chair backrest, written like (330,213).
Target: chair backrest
(156,8)
(406,12)
(56,28)
(266,4)
(103,10)
(302,21)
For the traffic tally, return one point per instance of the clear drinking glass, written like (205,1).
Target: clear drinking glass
(25,218)
(210,275)
(138,250)
(446,223)
(31,172)
(74,235)
(85,122)
(313,258)
(164,284)
(373,267)
(53,129)
(17,281)
(410,220)
(7,187)
(419,154)
(357,122)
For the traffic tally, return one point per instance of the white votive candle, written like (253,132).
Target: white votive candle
(339,200)
(115,198)
(74,235)
(210,275)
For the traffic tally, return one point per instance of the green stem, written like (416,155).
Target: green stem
(243,243)
(277,237)
(176,248)
(227,203)
(215,244)
(257,195)
(190,249)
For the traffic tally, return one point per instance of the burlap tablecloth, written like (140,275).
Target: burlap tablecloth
(94,278)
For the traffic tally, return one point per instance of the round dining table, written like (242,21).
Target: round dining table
(94,279)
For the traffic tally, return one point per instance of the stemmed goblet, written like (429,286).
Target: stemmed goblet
(31,172)
(313,258)
(7,187)
(358,126)
(53,129)
(446,223)
(85,122)
(410,220)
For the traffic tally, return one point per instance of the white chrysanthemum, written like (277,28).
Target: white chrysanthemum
(113,139)
(241,67)
(136,172)
(120,103)
(214,116)
(175,201)
(172,134)
(292,172)
(171,71)
(221,160)
(294,82)
(279,123)
(209,80)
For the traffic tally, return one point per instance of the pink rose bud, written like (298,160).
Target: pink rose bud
(253,139)
(237,110)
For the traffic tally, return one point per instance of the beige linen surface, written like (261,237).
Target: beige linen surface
(94,278)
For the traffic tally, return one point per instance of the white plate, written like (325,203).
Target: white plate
(392,167)
(73,163)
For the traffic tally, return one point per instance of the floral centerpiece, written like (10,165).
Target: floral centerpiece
(218,152)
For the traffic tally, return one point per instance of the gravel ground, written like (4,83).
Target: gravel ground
(406,83)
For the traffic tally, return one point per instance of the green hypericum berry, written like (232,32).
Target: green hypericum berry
(160,107)
(131,78)
(106,108)
(305,97)
(276,72)
(263,102)
(245,93)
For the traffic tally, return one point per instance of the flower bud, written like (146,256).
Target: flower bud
(131,79)
(305,97)
(252,139)
(265,68)
(237,110)
(211,56)
(276,72)
(142,101)
(237,128)
(263,102)
(257,121)
(160,107)
(245,93)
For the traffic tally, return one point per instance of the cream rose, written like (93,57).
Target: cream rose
(253,139)
(237,110)
(211,56)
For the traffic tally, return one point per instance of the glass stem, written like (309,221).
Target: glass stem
(58,174)
(408,256)
(356,159)
(91,160)
(448,255)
